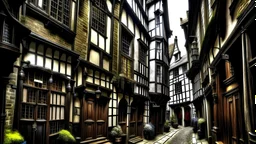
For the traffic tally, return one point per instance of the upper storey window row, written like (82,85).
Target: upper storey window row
(127,20)
(158,6)
(134,4)
(156,26)
(57,9)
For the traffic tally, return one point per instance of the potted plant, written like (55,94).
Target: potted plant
(66,137)
(166,126)
(13,137)
(174,121)
(201,125)
(149,131)
(116,133)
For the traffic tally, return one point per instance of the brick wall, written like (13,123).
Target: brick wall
(115,46)
(10,98)
(81,40)
(37,27)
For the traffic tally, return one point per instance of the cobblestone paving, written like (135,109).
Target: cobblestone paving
(184,136)
(161,139)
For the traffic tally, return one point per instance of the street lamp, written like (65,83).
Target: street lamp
(98,93)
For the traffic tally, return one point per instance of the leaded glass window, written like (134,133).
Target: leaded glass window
(60,10)
(126,40)
(98,20)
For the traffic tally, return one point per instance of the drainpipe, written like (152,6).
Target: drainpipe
(245,86)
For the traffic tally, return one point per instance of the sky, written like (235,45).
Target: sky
(177,9)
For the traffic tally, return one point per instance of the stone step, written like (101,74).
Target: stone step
(135,140)
(106,141)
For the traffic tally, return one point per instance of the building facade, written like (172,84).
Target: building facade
(219,41)
(181,94)
(84,65)
(159,61)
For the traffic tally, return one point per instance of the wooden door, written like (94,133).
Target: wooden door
(101,119)
(122,114)
(95,118)
(155,119)
(140,113)
(231,123)
(133,120)
(89,119)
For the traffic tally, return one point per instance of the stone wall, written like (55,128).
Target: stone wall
(81,40)
(10,97)
(37,27)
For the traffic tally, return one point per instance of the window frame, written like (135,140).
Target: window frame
(178,87)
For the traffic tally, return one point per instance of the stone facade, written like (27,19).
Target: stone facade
(10,97)
(37,26)
(81,40)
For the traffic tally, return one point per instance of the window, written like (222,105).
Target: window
(57,112)
(33,97)
(60,10)
(158,73)
(175,72)
(7,37)
(157,20)
(98,20)
(184,67)
(39,3)
(178,87)
(143,55)
(159,50)
(126,40)
(176,57)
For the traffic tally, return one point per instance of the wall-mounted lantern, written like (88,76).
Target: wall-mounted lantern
(98,93)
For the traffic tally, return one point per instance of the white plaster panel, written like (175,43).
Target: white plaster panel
(152,25)
(151,14)
(48,63)
(124,18)
(40,61)
(152,70)
(109,5)
(30,57)
(130,24)
(101,42)
(62,67)
(108,35)
(79,81)
(56,66)
(94,37)
(94,57)
(106,64)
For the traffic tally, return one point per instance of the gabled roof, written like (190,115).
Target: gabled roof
(180,62)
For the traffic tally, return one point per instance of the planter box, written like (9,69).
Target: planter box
(166,129)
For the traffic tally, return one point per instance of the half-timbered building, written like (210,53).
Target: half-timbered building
(180,88)
(84,67)
(220,52)
(159,32)
(12,32)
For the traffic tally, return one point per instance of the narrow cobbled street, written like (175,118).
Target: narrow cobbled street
(183,136)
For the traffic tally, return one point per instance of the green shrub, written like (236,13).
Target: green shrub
(66,136)
(173,118)
(200,121)
(166,124)
(116,131)
(12,137)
